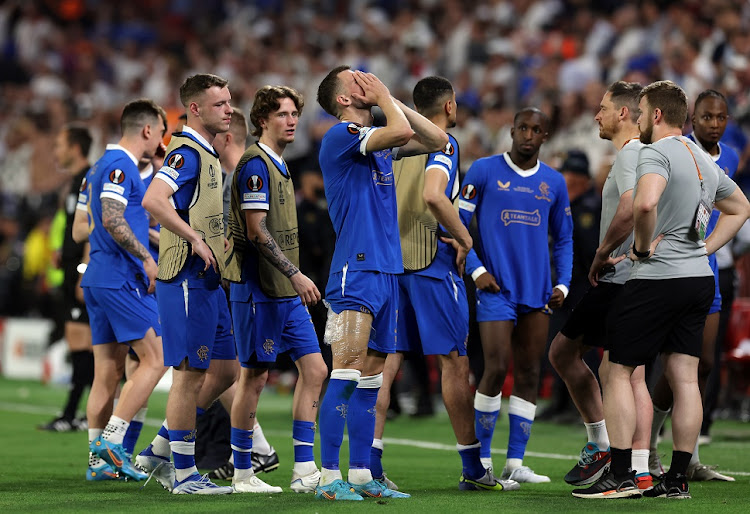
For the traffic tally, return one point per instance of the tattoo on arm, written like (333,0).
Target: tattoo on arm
(113,220)
(315,404)
(271,251)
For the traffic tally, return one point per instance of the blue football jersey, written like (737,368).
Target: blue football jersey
(728,161)
(446,161)
(516,210)
(361,198)
(253,182)
(181,170)
(115,176)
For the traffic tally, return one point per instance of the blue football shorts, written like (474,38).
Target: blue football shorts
(121,315)
(433,314)
(197,325)
(264,330)
(370,292)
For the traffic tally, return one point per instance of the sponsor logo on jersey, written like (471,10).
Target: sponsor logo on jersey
(113,188)
(469,192)
(117,176)
(544,190)
(254,197)
(508,216)
(170,172)
(444,160)
(382,178)
(255,183)
(503,186)
(176,161)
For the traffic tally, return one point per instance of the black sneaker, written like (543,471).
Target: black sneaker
(592,464)
(225,472)
(610,487)
(675,489)
(59,425)
(265,463)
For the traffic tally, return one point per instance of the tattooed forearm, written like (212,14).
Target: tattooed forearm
(113,220)
(271,251)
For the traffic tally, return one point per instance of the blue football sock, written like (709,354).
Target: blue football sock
(333,413)
(182,443)
(521,415)
(303,437)
(242,444)
(486,411)
(362,420)
(472,466)
(376,462)
(131,436)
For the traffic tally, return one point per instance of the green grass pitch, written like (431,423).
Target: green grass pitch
(45,472)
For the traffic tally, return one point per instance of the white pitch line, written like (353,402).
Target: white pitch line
(415,443)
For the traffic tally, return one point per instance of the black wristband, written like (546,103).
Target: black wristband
(641,255)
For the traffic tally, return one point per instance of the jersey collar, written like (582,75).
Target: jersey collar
(279,160)
(199,138)
(695,140)
(118,147)
(524,173)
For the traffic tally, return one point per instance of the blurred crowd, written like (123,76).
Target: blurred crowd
(81,60)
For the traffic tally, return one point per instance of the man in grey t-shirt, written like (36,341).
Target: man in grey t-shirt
(663,306)
(585,327)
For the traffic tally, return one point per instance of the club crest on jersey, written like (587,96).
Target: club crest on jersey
(176,161)
(268,345)
(544,190)
(469,192)
(503,186)
(117,176)
(449,149)
(342,410)
(255,183)
(202,353)
(190,437)
(84,183)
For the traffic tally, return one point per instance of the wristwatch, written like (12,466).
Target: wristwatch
(641,255)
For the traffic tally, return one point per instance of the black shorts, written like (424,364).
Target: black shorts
(74,310)
(659,316)
(589,317)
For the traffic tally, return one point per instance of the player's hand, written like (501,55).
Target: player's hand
(557,299)
(305,288)
(149,266)
(461,252)
(601,265)
(374,91)
(651,249)
(486,282)
(201,249)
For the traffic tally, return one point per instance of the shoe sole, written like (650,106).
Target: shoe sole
(630,493)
